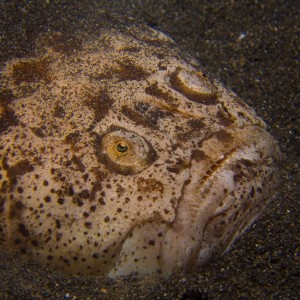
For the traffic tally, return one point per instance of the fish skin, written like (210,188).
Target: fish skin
(118,155)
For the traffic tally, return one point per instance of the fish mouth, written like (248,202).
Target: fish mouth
(228,187)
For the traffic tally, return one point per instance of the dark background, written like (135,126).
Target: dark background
(252,47)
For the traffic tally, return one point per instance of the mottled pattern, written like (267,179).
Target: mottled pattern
(121,156)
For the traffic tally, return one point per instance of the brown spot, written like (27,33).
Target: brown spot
(141,107)
(195,131)
(223,136)
(137,118)
(88,225)
(57,224)
(31,71)
(84,194)
(59,111)
(152,243)
(6,96)
(61,201)
(39,131)
(34,243)
(85,176)
(17,241)
(7,118)
(77,161)
(252,193)
(19,169)
(149,185)
(15,210)
(101,201)
(179,166)
(20,190)
(199,155)
(23,230)
(96,188)
(71,191)
(76,200)
(100,104)
(120,190)
(151,113)
(237,177)
(106,219)
(156,114)
(196,124)
(128,71)
(47,199)
(73,138)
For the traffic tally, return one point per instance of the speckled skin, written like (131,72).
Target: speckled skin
(120,156)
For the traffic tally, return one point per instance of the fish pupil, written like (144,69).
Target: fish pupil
(122,148)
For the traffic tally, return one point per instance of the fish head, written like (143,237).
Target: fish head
(122,156)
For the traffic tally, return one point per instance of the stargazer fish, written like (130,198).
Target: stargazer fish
(119,155)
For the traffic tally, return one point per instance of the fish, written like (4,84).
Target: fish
(120,155)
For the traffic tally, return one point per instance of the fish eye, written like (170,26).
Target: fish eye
(125,152)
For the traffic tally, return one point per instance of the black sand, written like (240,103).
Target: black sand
(251,46)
